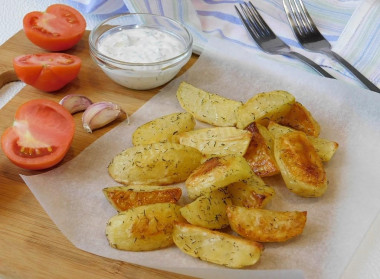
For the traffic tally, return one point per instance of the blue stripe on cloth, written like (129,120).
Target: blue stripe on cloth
(221,15)
(97,7)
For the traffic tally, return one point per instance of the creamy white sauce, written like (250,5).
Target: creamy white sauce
(140,45)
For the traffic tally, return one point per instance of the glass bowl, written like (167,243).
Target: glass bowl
(140,75)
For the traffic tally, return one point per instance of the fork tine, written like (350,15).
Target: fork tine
(260,21)
(247,23)
(290,13)
(306,16)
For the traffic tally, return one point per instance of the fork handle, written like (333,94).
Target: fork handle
(308,62)
(353,71)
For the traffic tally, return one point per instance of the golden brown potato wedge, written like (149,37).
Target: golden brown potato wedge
(324,148)
(216,173)
(216,247)
(301,167)
(259,154)
(207,107)
(143,228)
(266,225)
(301,119)
(154,164)
(164,128)
(125,197)
(209,210)
(264,107)
(218,141)
(251,193)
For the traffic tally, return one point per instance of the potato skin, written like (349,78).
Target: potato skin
(266,225)
(325,148)
(164,128)
(301,167)
(125,197)
(154,164)
(143,228)
(259,154)
(216,247)
(216,173)
(300,118)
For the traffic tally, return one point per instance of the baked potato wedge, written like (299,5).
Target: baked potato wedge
(264,107)
(301,119)
(207,107)
(163,129)
(301,167)
(325,148)
(216,173)
(259,154)
(218,141)
(216,247)
(252,192)
(154,164)
(209,210)
(125,197)
(143,228)
(264,225)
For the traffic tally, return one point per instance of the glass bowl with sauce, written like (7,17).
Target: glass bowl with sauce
(140,51)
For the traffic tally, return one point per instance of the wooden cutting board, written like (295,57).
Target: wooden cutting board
(31,246)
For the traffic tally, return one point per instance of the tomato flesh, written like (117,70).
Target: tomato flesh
(59,28)
(47,71)
(41,135)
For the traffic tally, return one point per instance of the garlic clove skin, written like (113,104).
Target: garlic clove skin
(100,114)
(75,103)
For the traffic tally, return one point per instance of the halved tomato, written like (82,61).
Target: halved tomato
(40,136)
(47,71)
(59,28)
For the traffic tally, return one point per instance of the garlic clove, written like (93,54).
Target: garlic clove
(75,103)
(100,114)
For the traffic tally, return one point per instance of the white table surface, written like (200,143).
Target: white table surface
(366,262)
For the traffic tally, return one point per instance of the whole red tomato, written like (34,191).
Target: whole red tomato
(59,28)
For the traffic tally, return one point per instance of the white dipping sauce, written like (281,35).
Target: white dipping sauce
(141,45)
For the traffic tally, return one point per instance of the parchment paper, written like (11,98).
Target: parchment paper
(337,222)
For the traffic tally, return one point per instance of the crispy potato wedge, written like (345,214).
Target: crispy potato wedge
(251,193)
(324,148)
(216,247)
(164,128)
(259,154)
(301,167)
(216,173)
(143,228)
(207,107)
(154,164)
(209,210)
(125,197)
(218,141)
(264,107)
(266,225)
(301,119)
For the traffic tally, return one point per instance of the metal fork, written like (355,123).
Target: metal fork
(267,40)
(311,39)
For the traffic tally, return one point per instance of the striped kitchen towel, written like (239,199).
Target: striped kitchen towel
(352,27)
